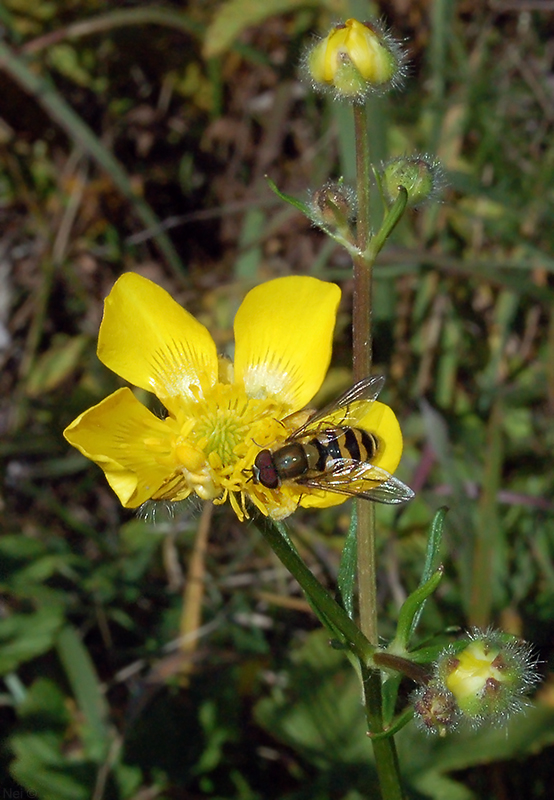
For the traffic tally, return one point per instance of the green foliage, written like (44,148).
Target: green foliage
(234,16)
(319,715)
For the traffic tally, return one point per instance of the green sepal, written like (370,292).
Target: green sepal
(430,653)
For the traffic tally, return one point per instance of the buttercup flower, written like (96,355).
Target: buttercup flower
(354,59)
(219,415)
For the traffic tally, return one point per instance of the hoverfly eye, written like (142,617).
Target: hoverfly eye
(264,470)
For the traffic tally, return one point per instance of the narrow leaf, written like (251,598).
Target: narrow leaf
(288,198)
(348,566)
(86,688)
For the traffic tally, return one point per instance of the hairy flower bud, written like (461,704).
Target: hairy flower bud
(435,708)
(420,175)
(483,681)
(489,677)
(355,59)
(334,205)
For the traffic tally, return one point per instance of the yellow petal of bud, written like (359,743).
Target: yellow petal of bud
(354,59)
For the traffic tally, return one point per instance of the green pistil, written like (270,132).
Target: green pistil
(223,432)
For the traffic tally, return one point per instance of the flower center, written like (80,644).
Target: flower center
(226,421)
(215,439)
(220,429)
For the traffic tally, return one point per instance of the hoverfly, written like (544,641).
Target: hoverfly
(329,452)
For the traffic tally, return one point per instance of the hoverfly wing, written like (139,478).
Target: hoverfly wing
(391,491)
(347,409)
(360,479)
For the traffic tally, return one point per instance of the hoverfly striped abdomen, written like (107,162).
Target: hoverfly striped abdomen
(329,452)
(357,444)
(343,443)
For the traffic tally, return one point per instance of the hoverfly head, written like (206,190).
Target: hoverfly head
(264,470)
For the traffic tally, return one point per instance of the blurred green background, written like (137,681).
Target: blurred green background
(136,136)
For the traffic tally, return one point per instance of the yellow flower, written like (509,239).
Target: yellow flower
(219,416)
(355,58)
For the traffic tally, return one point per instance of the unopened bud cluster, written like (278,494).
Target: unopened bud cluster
(354,60)
(483,682)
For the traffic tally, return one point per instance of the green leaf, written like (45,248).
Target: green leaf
(346,579)
(235,15)
(54,366)
(320,714)
(25,636)
(44,706)
(16,554)
(86,688)
(393,217)
(329,612)
(42,769)
(412,608)
(288,198)
(428,760)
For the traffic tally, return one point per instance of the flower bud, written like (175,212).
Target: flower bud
(435,708)
(489,676)
(334,205)
(355,59)
(421,176)
(480,680)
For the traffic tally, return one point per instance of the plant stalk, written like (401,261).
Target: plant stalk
(384,749)
(319,597)
(362,360)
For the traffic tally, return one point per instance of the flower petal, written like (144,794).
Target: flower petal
(149,340)
(381,420)
(128,442)
(284,334)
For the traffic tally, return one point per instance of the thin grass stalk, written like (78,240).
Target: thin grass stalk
(489,528)
(193,593)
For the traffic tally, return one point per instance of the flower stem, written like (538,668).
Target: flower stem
(335,617)
(361,322)
(384,748)
(362,360)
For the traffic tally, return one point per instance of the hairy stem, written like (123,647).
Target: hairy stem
(362,358)
(383,747)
